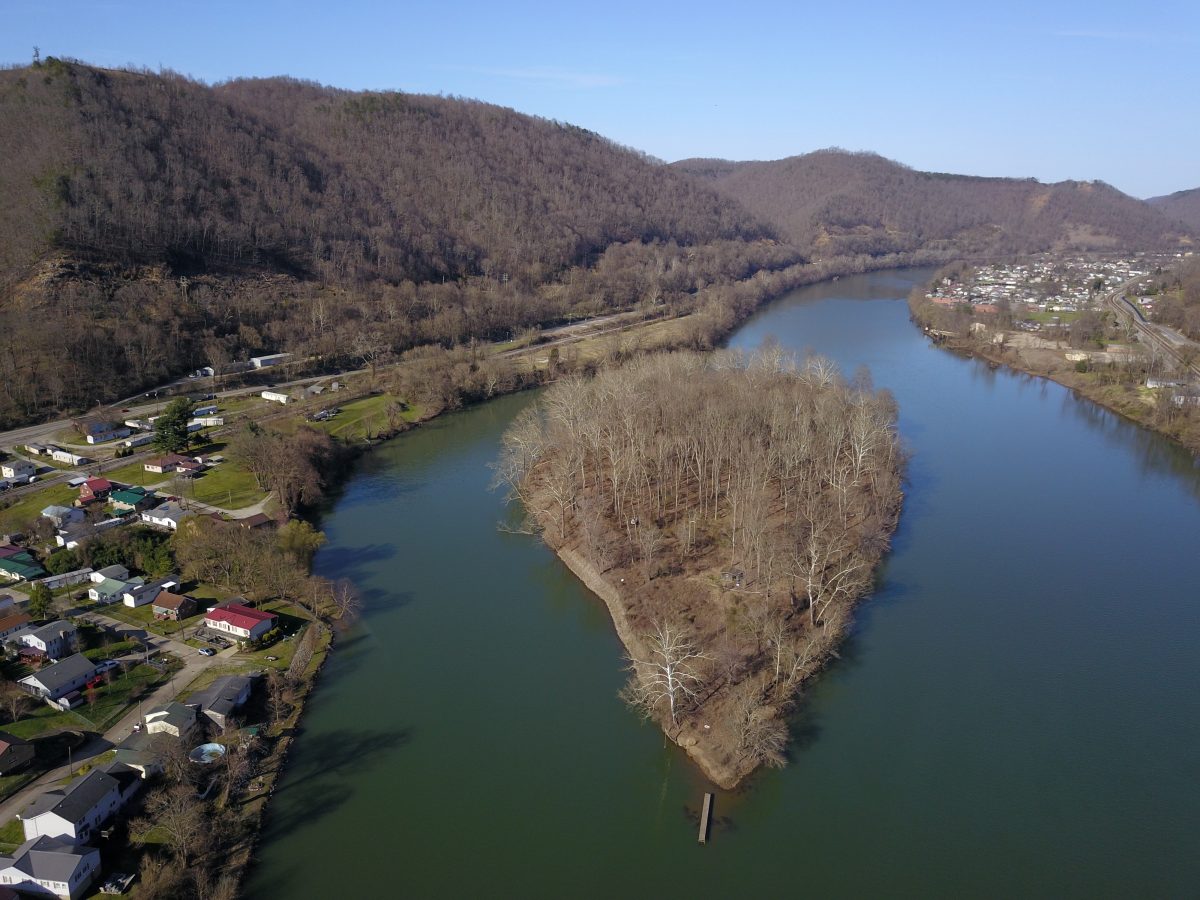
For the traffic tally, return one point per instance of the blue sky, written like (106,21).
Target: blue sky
(1050,90)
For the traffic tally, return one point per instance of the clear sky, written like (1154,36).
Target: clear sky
(1055,89)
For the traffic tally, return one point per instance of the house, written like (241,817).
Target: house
(15,753)
(115,571)
(138,440)
(273,359)
(173,606)
(95,489)
(173,463)
(56,640)
(60,679)
(50,867)
(102,432)
(132,499)
(221,699)
(167,515)
(258,520)
(66,579)
(276,397)
(20,566)
(62,516)
(175,719)
(207,421)
(76,812)
(66,456)
(243,622)
(40,449)
(13,623)
(71,536)
(141,594)
(138,752)
(207,409)
(7,604)
(18,468)
(110,590)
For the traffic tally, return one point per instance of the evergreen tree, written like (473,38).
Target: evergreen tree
(170,429)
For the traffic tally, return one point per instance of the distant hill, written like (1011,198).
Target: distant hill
(1183,206)
(832,202)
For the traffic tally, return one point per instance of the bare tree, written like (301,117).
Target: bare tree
(670,671)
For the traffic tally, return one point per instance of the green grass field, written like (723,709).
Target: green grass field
(228,486)
(364,418)
(29,506)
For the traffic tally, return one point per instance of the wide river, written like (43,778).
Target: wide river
(1016,714)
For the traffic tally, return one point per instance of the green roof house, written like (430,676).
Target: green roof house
(132,499)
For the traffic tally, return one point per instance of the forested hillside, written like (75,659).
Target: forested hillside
(150,224)
(1184,206)
(831,203)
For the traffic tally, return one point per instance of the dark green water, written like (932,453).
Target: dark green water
(1017,712)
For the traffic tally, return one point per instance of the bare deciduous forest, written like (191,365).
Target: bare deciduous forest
(151,224)
(832,203)
(738,507)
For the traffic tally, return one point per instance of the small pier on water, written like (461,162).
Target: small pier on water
(705,817)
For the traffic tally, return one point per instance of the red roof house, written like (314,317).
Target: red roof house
(242,622)
(95,489)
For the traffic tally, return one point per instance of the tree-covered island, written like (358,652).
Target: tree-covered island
(729,511)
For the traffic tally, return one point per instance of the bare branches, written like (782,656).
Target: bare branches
(670,672)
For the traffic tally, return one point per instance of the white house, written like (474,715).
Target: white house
(243,622)
(50,867)
(18,468)
(167,515)
(208,421)
(138,440)
(110,590)
(276,397)
(60,679)
(140,595)
(75,812)
(66,456)
(175,719)
(56,640)
(273,359)
(115,571)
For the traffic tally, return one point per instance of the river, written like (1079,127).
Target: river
(1016,712)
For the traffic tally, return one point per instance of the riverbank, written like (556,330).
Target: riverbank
(1118,386)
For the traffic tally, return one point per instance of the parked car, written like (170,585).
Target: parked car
(207,651)
(106,665)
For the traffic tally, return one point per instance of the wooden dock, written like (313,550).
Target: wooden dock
(705,817)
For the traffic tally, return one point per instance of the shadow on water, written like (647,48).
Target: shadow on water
(349,562)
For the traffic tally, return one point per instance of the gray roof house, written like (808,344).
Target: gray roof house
(55,639)
(138,752)
(222,698)
(62,516)
(175,719)
(61,678)
(115,572)
(140,595)
(76,812)
(50,866)
(166,515)
(15,753)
